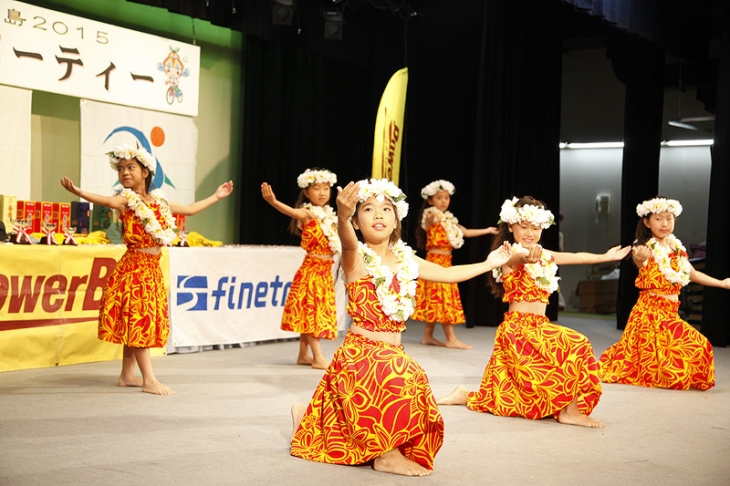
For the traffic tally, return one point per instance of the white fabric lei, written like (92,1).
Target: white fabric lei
(659,205)
(436,186)
(449,222)
(126,151)
(380,189)
(328,222)
(511,214)
(543,272)
(398,306)
(663,260)
(310,177)
(147,216)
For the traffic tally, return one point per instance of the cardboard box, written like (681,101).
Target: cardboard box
(101,218)
(8,211)
(61,216)
(26,211)
(80,216)
(598,296)
(180,221)
(46,213)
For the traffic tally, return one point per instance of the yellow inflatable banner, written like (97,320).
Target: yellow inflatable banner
(49,304)
(389,128)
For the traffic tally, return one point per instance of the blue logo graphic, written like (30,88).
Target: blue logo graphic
(193,293)
(160,178)
(201,298)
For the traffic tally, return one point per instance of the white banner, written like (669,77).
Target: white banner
(51,51)
(234,295)
(172,139)
(15,141)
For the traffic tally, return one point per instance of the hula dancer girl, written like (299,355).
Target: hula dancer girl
(133,309)
(657,348)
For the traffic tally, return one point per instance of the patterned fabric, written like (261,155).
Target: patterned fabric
(536,370)
(372,399)
(438,302)
(657,348)
(133,233)
(519,286)
(310,305)
(364,308)
(651,278)
(133,307)
(436,238)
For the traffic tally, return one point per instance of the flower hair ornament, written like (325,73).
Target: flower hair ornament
(380,189)
(436,186)
(659,205)
(310,177)
(126,151)
(511,214)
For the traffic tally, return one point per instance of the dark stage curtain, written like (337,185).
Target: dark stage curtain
(517,128)
(640,66)
(301,110)
(717,264)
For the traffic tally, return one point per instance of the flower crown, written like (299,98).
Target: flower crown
(529,212)
(310,177)
(659,205)
(126,151)
(436,186)
(380,189)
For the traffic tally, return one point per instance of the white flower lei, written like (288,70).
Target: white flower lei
(543,272)
(126,151)
(449,222)
(396,305)
(436,186)
(328,222)
(529,212)
(309,177)
(147,216)
(380,189)
(661,257)
(659,205)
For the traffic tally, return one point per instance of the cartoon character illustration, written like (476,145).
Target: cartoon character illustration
(174,70)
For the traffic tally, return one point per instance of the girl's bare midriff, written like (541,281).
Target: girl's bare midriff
(672,297)
(385,337)
(440,252)
(528,307)
(321,256)
(154,250)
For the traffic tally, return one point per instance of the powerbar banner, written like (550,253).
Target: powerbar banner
(52,51)
(233,294)
(388,138)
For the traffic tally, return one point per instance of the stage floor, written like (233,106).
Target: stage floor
(229,423)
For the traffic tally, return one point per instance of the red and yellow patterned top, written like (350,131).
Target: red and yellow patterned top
(314,240)
(133,233)
(519,286)
(364,307)
(436,238)
(651,278)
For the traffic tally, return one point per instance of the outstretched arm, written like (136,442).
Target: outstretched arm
(471,233)
(114,202)
(458,273)
(707,281)
(350,261)
(297,213)
(614,254)
(224,190)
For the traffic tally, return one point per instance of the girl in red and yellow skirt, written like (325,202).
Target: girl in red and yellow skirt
(133,309)
(374,402)
(310,305)
(657,348)
(537,369)
(439,234)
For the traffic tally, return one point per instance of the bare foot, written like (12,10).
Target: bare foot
(304,360)
(394,462)
(129,381)
(570,415)
(456,397)
(157,388)
(320,365)
(431,341)
(456,344)
(297,412)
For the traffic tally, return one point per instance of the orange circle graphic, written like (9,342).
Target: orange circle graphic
(157,136)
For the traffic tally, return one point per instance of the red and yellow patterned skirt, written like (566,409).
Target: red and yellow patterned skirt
(438,302)
(310,305)
(372,399)
(658,349)
(133,307)
(536,370)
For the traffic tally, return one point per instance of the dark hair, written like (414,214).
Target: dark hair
(294,223)
(504,234)
(397,231)
(420,232)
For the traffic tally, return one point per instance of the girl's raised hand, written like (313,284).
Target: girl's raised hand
(347,200)
(224,190)
(69,186)
(617,253)
(533,256)
(641,253)
(499,256)
(268,193)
